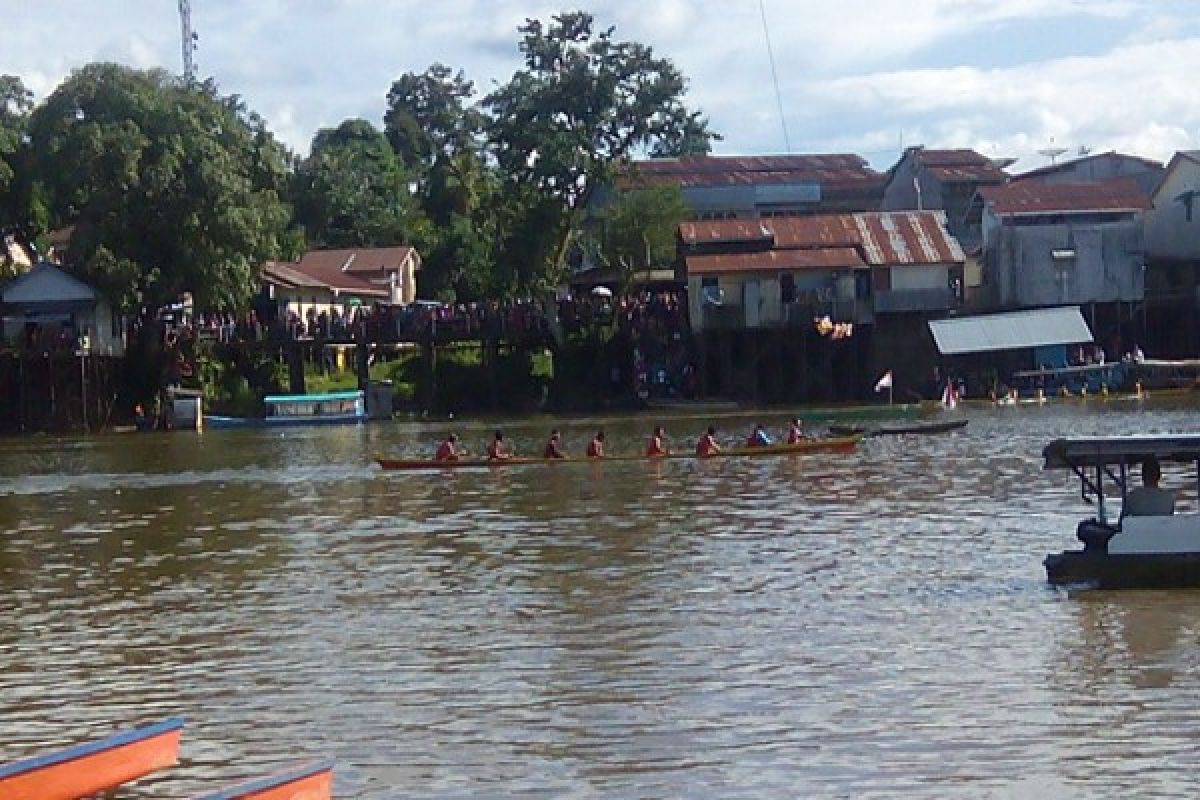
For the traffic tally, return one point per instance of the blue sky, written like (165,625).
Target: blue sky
(1003,76)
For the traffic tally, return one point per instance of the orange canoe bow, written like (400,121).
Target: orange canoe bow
(309,782)
(94,767)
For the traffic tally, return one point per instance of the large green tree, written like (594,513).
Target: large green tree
(582,107)
(168,188)
(352,190)
(436,129)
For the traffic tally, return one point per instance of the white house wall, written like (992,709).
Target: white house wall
(1169,233)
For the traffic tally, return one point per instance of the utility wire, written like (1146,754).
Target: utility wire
(762,9)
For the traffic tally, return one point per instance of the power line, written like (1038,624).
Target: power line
(762,9)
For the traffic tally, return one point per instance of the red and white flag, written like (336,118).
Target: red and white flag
(885,382)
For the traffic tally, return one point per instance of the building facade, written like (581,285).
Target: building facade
(1172,309)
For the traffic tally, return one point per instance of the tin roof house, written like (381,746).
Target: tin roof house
(1062,243)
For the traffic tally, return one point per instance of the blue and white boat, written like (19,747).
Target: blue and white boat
(329,408)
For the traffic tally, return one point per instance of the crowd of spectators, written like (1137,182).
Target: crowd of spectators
(423,321)
(651,328)
(656,324)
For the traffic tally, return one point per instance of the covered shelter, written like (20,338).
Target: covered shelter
(1036,348)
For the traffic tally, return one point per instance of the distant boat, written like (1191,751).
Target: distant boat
(309,782)
(88,769)
(901,429)
(330,408)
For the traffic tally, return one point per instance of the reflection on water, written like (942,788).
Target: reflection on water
(863,625)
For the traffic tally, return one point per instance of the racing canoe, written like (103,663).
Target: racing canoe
(94,767)
(309,782)
(831,444)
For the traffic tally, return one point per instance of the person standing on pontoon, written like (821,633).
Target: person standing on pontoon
(1149,500)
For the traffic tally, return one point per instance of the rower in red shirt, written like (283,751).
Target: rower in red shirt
(554,446)
(596,446)
(796,432)
(448,449)
(707,446)
(498,450)
(657,447)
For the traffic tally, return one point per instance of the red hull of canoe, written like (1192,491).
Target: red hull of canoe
(93,768)
(311,782)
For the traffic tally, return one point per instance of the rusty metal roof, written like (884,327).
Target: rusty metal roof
(775,261)
(830,170)
(1033,197)
(961,166)
(879,238)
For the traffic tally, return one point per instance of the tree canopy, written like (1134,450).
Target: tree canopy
(21,213)
(352,189)
(168,188)
(582,107)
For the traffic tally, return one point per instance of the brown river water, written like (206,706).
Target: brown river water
(866,625)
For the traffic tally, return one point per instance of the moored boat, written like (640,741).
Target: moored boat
(308,782)
(329,408)
(1128,551)
(901,429)
(831,444)
(88,769)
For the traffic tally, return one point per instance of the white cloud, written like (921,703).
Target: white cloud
(846,66)
(1136,97)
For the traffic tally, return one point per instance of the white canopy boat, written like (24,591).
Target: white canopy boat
(1160,551)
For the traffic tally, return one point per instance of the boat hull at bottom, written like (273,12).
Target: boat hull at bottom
(832,444)
(1125,571)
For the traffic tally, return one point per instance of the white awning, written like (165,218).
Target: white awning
(1011,331)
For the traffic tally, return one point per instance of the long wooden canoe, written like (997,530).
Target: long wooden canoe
(94,767)
(309,782)
(832,444)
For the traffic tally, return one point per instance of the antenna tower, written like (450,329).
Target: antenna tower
(188,40)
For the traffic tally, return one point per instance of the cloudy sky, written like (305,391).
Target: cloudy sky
(1006,77)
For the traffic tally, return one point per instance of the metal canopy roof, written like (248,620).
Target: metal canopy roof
(1012,331)
(1099,451)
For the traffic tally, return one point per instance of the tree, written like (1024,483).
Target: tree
(636,231)
(437,132)
(352,190)
(581,108)
(169,188)
(429,117)
(20,211)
